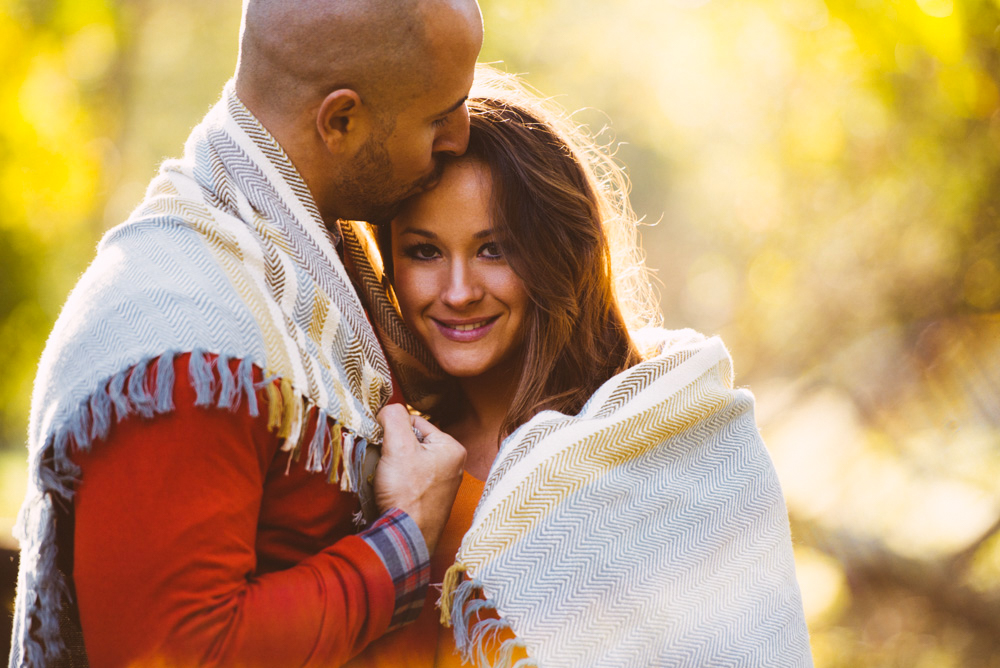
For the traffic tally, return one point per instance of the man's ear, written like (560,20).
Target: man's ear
(340,120)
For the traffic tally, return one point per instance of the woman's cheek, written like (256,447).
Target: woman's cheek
(412,290)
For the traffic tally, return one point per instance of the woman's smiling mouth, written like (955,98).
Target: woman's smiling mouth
(465,331)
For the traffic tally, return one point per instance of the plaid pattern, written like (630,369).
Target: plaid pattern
(398,542)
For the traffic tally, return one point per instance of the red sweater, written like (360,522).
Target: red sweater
(198,542)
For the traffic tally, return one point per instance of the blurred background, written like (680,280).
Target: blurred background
(819,183)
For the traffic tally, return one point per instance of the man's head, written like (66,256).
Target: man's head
(365,96)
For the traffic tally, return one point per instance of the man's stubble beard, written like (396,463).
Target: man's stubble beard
(367,192)
(371,192)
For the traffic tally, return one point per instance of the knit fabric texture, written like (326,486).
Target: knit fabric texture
(648,530)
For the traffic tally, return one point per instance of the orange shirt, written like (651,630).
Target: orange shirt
(425,643)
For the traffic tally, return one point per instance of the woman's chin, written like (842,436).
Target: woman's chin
(464,370)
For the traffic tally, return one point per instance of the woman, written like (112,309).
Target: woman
(504,271)
(507,274)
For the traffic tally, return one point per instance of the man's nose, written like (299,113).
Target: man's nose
(463,287)
(453,138)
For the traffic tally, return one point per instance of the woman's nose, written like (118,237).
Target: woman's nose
(463,287)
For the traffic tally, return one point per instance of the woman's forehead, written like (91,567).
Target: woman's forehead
(463,193)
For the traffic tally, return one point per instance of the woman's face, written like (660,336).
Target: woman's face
(455,289)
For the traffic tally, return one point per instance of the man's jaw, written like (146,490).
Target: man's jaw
(419,187)
(432,179)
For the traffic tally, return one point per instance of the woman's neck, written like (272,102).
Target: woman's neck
(488,397)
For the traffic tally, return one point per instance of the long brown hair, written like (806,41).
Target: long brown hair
(561,216)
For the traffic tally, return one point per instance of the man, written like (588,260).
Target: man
(214,371)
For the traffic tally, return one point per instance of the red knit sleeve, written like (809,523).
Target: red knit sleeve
(165,558)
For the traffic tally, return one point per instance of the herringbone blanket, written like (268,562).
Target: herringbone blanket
(226,259)
(649,530)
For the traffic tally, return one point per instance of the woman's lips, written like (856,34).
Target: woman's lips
(465,331)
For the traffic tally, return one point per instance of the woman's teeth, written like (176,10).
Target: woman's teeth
(469,327)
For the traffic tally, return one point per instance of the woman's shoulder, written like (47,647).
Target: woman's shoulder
(657,341)
(681,352)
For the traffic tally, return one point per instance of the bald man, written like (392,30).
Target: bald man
(214,370)
(366,98)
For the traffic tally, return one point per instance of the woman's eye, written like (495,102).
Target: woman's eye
(491,251)
(422,252)
(440,122)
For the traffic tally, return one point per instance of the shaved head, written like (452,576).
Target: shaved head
(366,97)
(293,53)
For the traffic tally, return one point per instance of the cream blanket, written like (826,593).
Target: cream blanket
(649,530)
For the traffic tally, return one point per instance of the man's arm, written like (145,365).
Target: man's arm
(166,557)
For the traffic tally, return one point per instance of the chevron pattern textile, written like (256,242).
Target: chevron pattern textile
(227,258)
(649,530)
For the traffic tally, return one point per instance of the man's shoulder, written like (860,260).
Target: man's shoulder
(157,270)
(153,288)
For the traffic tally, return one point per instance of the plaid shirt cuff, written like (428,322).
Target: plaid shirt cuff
(397,540)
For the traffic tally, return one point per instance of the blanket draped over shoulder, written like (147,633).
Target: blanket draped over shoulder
(226,259)
(648,530)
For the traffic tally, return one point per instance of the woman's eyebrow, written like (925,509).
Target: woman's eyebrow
(419,232)
(481,234)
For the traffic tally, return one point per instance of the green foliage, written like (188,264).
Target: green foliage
(54,99)
(95,94)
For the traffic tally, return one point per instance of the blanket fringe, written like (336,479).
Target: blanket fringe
(245,387)
(202,379)
(116,392)
(484,635)
(165,384)
(138,394)
(476,638)
(347,481)
(465,613)
(452,577)
(335,453)
(289,403)
(227,384)
(135,392)
(44,645)
(140,390)
(357,461)
(505,654)
(317,446)
(273,407)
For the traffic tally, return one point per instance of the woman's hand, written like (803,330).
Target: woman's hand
(420,477)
